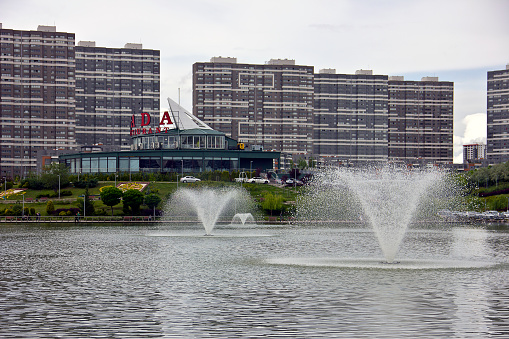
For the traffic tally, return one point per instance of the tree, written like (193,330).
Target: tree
(272,202)
(50,176)
(89,204)
(152,200)
(111,196)
(311,163)
(133,200)
(50,208)
(302,164)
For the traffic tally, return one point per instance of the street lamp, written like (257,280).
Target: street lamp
(5,182)
(116,175)
(251,169)
(58,186)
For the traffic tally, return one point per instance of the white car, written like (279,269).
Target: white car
(189,178)
(491,215)
(258,180)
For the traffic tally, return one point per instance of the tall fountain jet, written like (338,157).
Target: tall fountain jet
(388,198)
(209,204)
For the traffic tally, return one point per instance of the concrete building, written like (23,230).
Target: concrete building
(112,85)
(474,153)
(474,156)
(421,120)
(498,116)
(37,96)
(266,106)
(350,116)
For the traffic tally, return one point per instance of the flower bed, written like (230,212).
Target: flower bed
(10,192)
(124,186)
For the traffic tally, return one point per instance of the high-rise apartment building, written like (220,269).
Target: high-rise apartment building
(112,85)
(421,120)
(263,105)
(37,96)
(350,116)
(474,153)
(498,116)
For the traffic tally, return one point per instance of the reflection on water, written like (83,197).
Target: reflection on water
(122,282)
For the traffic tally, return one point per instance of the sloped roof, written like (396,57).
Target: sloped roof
(184,120)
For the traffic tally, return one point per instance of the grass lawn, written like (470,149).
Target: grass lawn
(163,189)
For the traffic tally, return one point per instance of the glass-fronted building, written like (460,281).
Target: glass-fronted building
(189,146)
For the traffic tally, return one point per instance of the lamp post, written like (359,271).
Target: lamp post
(58,186)
(116,175)
(5,182)
(251,169)
(295,176)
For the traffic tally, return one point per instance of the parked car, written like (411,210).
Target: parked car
(293,182)
(189,178)
(491,215)
(258,180)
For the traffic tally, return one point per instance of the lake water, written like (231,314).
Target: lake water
(267,281)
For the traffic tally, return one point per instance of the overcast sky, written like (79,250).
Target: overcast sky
(456,40)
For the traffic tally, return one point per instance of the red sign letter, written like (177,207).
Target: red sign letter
(145,119)
(133,123)
(166,119)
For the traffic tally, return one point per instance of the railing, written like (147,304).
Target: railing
(123,219)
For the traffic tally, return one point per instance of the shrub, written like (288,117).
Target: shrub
(92,182)
(66,211)
(32,211)
(65,193)
(50,208)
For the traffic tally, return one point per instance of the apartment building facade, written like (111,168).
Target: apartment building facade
(498,116)
(112,86)
(420,120)
(350,116)
(474,153)
(266,106)
(37,96)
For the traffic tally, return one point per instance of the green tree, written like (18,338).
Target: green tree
(272,202)
(50,208)
(302,164)
(50,176)
(311,163)
(111,196)
(89,205)
(133,200)
(152,200)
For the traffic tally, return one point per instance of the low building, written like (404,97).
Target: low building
(181,144)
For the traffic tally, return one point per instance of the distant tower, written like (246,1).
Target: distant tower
(112,85)
(498,116)
(37,97)
(474,153)
(350,116)
(421,120)
(267,106)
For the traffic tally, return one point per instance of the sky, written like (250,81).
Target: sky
(455,40)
